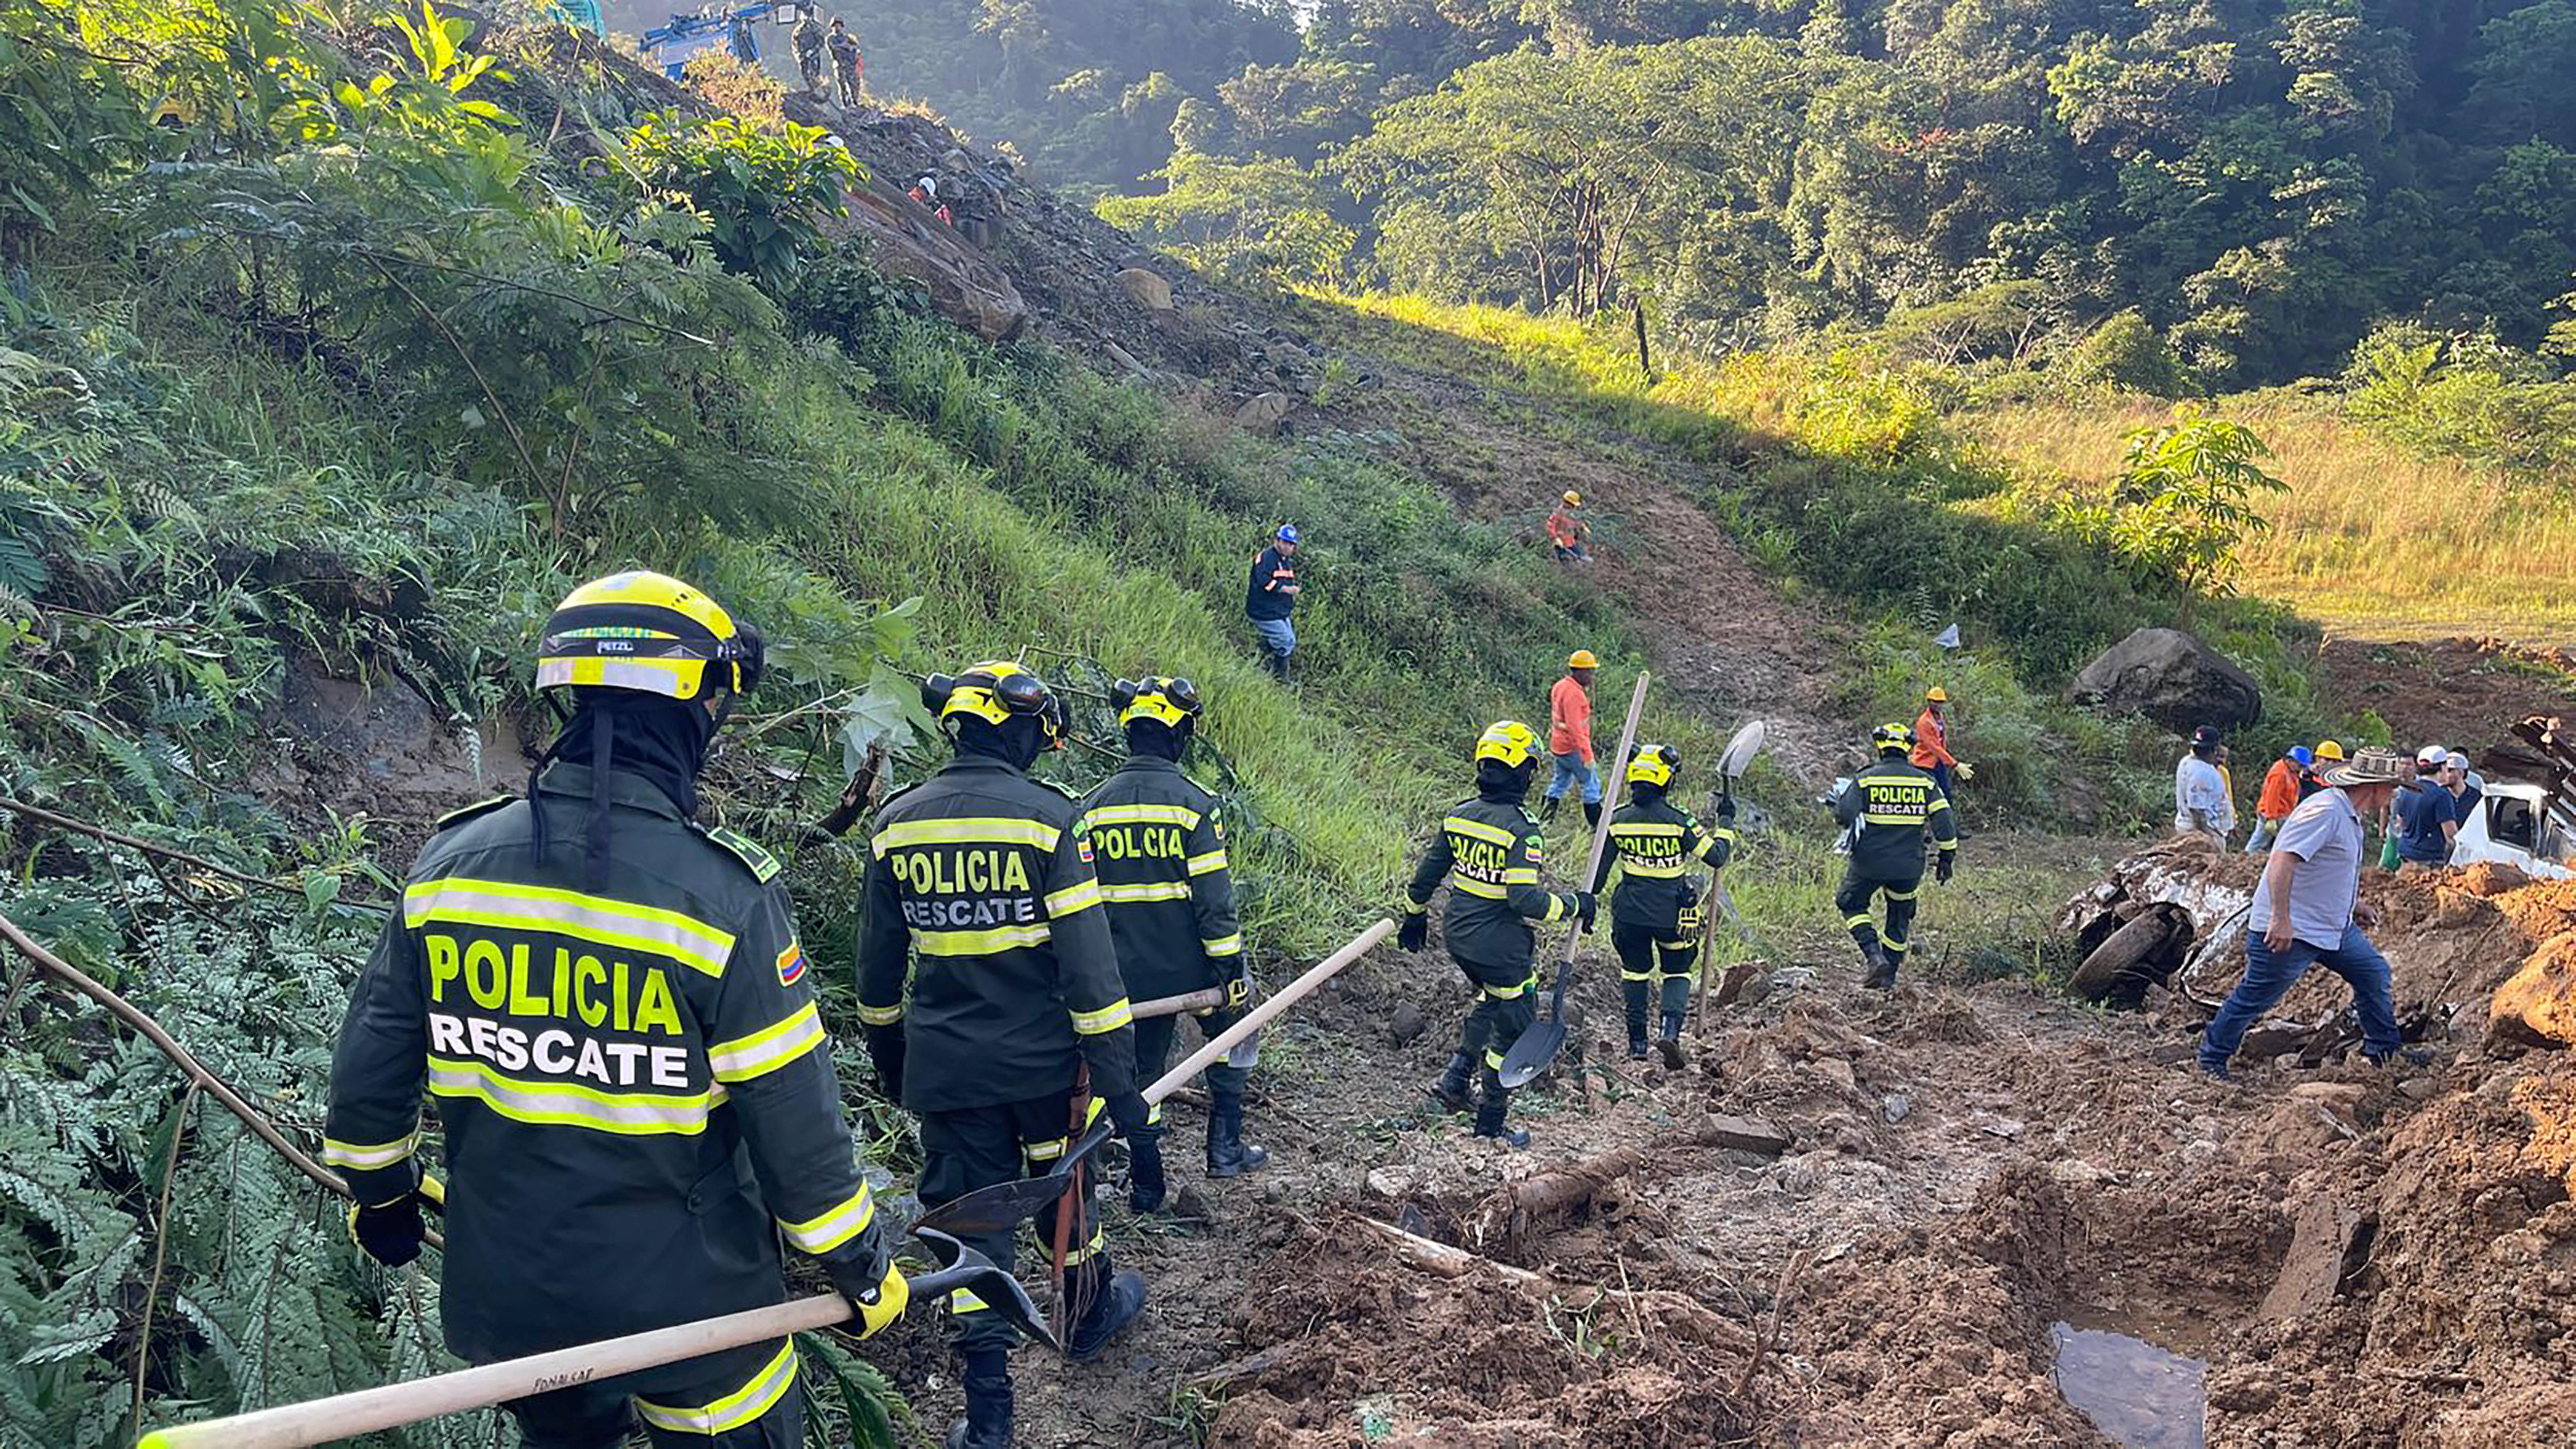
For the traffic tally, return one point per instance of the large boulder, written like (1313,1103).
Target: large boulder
(2537,1007)
(2171,678)
(1150,291)
(966,287)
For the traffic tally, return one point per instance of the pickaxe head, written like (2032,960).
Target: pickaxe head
(963,1269)
(1005,1205)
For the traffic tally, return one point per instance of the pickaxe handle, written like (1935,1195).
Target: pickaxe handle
(346,1415)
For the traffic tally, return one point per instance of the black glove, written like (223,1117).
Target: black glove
(1415,933)
(1941,868)
(1585,905)
(1127,1112)
(885,1048)
(389,1232)
(1726,810)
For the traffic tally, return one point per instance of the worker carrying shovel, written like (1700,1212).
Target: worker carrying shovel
(1655,918)
(987,878)
(1490,850)
(1887,808)
(1163,872)
(609,1003)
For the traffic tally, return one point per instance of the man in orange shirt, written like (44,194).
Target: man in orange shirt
(1569,737)
(1932,743)
(1565,531)
(2280,796)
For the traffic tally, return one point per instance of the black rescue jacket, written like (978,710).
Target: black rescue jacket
(1889,807)
(1160,849)
(637,1093)
(1490,851)
(985,875)
(1653,846)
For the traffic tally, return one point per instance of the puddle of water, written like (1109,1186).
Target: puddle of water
(2137,1393)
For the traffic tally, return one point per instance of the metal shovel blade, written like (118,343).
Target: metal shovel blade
(970,1270)
(1530,1055)
(1005,1205)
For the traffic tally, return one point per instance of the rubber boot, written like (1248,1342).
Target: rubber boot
(1227,1153)
(1451,1089)
(1145,1187)
(1635,994)
(1547,811)
(1670,1041)
(1120,1301)
(1592,814)
(1490,1125)
(1276,663)
(1882,968)
(987,1424)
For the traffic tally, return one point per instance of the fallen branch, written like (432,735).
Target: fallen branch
(1509,1214)
(1765,1346)
(1655,1303)
(59,821)
(222,1091)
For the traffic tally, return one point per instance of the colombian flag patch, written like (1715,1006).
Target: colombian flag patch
(791,964)
(1082,846)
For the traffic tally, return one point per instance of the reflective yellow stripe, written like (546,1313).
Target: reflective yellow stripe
(1493,1059)
(1557,909)
(1087,1251)
(768,1049)
(980,943)
(1651,872)
(678,678)
(1860,920)
(1506,993)
(1627,975)
(1180,815)
(1520,875)
(1108,1018)
(1479,830)
(1949,845)
(562,1104)
(966,830)
(1488,889)
(1624,832)
(1224,945)
(1881,817)
(1894,944)
(881,1015)
(584,917)
(1145,890)
(1898,895)
(350,1154)
(1938,805)
(734,1410)
(962,1301)
(828,1230)
(1081,896)
(1213,861)
(1047,1151)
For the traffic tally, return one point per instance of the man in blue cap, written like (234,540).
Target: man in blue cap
(1272,597)
(2280,796)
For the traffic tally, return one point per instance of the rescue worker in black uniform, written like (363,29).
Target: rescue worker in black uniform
(610,1006)
(1490,850)
(1655,917)
(1161,856)
(1016,1008)
(1887,808)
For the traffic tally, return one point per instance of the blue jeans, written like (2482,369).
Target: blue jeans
(1276,636)
(1570,770)
(2270,975)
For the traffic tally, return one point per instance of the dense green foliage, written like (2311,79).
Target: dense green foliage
(2260,179)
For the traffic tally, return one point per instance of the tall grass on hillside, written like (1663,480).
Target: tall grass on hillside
(2373,537)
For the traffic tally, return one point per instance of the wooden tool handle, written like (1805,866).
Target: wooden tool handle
(1601,830)
(1188,1001)
(1259,1016)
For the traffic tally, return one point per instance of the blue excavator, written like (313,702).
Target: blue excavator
(734,27)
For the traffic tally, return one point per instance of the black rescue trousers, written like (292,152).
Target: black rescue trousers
(740,1398)
(1647,958)
(1225,1084)
(980,1146)
(1853,900)
(1494,1023)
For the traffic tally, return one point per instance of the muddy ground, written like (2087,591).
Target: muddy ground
(2361,1256)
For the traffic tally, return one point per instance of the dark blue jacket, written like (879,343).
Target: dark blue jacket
(2423,808)
(1268,598)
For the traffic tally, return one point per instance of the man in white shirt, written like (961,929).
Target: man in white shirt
(2307,912)
(2201,806)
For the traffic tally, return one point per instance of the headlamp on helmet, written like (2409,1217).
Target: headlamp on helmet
(1159,697)
(1507,742)
(1654,765)
(650,633)
(996,692)
(1893,736)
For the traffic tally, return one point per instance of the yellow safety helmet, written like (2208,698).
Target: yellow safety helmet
(2328,750)
(1507,742)
(1581,659)
(1155,697)
(1573,498)
(995,691)
(1654,765)
(1936,695)
(649,632)
(1893,736)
